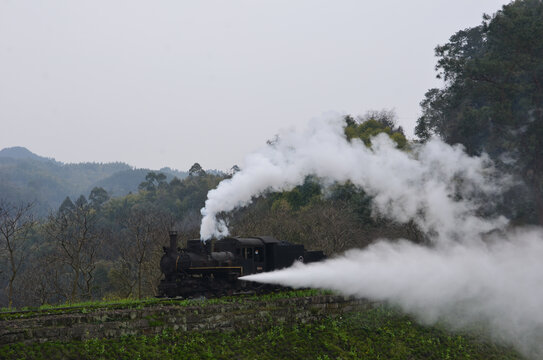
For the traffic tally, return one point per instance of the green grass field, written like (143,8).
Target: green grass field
(379,333)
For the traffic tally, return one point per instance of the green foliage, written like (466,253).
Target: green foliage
(358,200)
(179,199)
(493,94)
(27,177)
(153,181)
(108,246)
(300,196)
(98,196)
(379,333)
(372,124)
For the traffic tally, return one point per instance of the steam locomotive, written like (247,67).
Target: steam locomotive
(212,268)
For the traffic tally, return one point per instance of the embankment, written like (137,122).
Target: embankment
(84,324)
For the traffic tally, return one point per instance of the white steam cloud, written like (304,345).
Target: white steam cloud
(496,286)
(476,271)
(420,185)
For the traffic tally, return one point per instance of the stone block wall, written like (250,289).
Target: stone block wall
(114,323)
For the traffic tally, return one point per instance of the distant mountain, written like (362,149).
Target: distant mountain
(19,152)
(25,176)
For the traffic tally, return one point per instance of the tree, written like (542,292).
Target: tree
(234,169)
(98,196)
(196,170)
(153,181)
(385,117)
(67,206)
(330,225)
(42,280)
(144,231)
(16,223)
(492,100)
(374,123)
(76,236)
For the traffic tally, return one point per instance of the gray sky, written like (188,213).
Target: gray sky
(170,83)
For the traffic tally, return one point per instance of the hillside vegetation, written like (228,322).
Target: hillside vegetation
(378,333)
(27,177)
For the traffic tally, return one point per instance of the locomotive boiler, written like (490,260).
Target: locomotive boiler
(212,268)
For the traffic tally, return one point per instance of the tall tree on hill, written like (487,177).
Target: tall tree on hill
(15,225)
(493,96)
(97,197)
(153,181)
(196,170)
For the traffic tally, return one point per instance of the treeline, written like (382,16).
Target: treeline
(96,246)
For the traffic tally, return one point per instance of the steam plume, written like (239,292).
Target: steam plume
(420,185)
(477,270)
(496,286)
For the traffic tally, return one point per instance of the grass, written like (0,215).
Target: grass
(378,333)
(89,306)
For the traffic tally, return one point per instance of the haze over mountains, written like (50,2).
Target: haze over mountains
(25,176)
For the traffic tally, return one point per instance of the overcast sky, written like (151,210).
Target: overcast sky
(170,83)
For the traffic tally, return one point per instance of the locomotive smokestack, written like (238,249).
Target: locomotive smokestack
(173,241)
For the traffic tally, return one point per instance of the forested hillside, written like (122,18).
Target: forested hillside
(27,177)
(492,99)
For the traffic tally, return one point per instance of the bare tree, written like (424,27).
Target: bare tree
(41,282)
(121,278)
(329,226)
(145,230)
(15,225)
(75,232)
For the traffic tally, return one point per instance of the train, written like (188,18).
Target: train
(212,268)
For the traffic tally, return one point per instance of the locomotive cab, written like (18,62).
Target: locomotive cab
(251,254)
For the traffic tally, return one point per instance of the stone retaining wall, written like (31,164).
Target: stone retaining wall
(154,319)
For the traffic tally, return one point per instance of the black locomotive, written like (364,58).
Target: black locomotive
(212,268)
